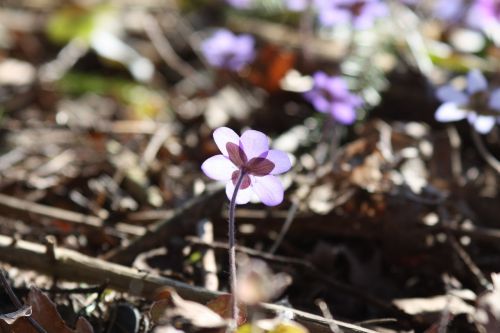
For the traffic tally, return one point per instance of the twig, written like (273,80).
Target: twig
(205,230)
(166,51)
(251,252)
(27,209)
(74,266)
(286,226)
(456,161)
(17,302)
(469,263)
(485,154)
(154,145)
(444,319)
(65,60)
(327,314)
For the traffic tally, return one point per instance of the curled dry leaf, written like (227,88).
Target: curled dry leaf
(172,309)
(45,313)
(257,283)
(10,318)
(275,325)
(222,306)
(488,307)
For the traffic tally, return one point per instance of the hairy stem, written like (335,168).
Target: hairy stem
(17,302)
(232,251)
(483,151)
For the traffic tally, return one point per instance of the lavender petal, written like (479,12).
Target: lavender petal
(218,167)
(269,189)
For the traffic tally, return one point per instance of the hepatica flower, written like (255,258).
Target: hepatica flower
(449,10)
(330,94)
(250,155)
(477,103)
(226,50)
(240,4)
(360,13)
(296,5)
(484,14)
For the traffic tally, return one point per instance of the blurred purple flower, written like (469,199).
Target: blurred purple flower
(226,50)
(480,106)
(296,5)
(330,94)
(449,10)
(360,13)
(240,4)
(484,14)
(251,155)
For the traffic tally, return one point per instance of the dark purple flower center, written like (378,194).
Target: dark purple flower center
(257,166)
(330,97)
(495,8)
(479,102)
(355,8)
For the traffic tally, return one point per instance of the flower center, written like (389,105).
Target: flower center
(355,8)
(479,102)
(257,166)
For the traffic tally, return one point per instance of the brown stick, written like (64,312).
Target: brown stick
(14,206)
(71,265)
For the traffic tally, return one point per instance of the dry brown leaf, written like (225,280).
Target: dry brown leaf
(222,306)
(171,308)
(45,313)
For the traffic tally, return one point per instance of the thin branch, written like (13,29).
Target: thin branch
(483,151)
(327,314)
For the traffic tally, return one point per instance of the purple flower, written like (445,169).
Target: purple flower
(296,5)
(240,4)
(484,14)
(226,50)
(360,13)
(330,94)
(449,10)
(480,106)
(251,155)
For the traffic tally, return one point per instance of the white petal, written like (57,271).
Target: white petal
(450,94)
(268,189)
(222,136)
(218,167)
(254,143)
(476,81)
(281,161)
(495,99)
(482,124)
(449,112)
(242,197)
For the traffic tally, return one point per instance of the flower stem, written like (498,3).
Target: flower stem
(232,251)
(483,151)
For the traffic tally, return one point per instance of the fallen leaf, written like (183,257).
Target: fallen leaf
(45,313)
(11,317)
(173,309)
(488,307)
(222,306)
